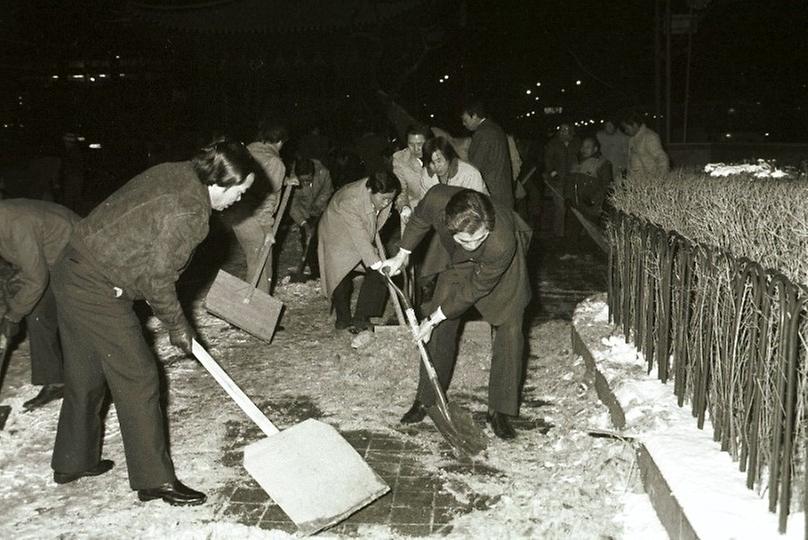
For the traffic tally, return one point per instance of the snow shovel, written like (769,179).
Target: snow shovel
(455,423)
(240,303)
(309,469)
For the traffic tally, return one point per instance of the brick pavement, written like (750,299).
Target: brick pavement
(418,503)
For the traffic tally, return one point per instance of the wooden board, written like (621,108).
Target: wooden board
(226,300)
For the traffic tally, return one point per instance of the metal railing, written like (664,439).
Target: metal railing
(732,335)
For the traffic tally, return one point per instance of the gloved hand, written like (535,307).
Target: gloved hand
(9,328)
(182,337)
(429,324)
(393,265)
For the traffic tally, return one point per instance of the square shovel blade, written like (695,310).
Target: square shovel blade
(313,474)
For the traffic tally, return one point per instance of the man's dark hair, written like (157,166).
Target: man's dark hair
(467,211)
(224,163)
(272,131)
(382,180)
(304,167)
(475,106)
(440,144)
(418,129)
(633,118)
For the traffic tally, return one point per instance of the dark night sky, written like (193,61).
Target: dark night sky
(744,51)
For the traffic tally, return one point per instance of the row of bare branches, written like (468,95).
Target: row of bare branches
(691,285)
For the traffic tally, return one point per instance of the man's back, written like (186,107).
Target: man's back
(489,153)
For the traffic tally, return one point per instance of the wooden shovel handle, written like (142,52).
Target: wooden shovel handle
(266,249)
(236,393)
(393,297)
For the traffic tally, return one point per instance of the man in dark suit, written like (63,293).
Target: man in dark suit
(489,153)
(483,265)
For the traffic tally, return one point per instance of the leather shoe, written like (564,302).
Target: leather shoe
(64,478)
(174,493)
(49,392)
(416,413)
(501,425)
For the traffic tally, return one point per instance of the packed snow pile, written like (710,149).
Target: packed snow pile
(761,169)
(703,479)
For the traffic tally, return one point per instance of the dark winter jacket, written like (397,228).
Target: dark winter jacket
(32,236)
(489,153)
(560,157)
(493,277)
(143,235)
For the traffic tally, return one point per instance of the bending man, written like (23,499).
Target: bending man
(484,245)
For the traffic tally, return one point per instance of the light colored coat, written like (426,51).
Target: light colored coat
(645,154)
(407,169)
(466,176)
(346,233)
(614,147)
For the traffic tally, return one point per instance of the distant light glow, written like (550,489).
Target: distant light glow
(528,92)
(92,79)
(728,135)
(536,98)
(766,134)
(563,90)
(54,76)
(94,146)
(102,75)
(446,77)
(77,76)
(432,116)
(538,83)
(80,138)
(578,82)
(117,57)
(121,74)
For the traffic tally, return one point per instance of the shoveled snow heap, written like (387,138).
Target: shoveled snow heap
(761,169)
(565,484)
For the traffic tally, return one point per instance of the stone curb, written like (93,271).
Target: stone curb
(681,521)
(668,510)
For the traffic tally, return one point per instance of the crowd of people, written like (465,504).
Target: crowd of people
(457,215)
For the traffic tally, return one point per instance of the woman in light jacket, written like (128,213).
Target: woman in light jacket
(346,231)
(442,166)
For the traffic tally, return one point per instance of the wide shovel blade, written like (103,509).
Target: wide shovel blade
(309,470)
(313,474)
(244,306)
(458,428)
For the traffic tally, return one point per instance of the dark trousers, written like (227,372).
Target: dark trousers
(104,348)
(371,301)
(43,331)
(507,361)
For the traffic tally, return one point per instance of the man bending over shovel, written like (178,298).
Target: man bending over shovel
(482,264)
(134,246)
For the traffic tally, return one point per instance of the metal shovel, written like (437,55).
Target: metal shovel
(454,422)
(309,469)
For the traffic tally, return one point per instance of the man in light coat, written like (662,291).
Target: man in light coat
(645,153)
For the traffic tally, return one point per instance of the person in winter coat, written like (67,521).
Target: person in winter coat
(346,234)
(489,152)
(408,164)
(484,245)
(645,153)
(614,147)
(133,246)
(253,218)
(587,186)
(310,199)
(442,166)
(32,236)
(560,155)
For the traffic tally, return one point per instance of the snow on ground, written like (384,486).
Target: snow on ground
(562,484)
(704,479)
